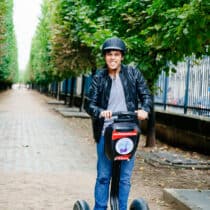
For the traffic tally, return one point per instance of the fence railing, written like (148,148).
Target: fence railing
(186,91)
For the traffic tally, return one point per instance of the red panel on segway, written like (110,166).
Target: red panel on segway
(123,157)
(117,135)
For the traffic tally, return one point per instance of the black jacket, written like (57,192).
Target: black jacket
(135,91)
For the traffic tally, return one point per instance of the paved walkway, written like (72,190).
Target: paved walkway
(43,160)
(47,161)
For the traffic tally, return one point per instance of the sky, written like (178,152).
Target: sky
(26,15)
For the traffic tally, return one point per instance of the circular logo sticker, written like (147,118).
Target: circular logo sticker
(124,146)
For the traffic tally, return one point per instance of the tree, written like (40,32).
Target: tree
(39,68)
(8,48)
(70,56)
(168,32)
(157,32)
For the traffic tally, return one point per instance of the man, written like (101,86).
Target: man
(117,87)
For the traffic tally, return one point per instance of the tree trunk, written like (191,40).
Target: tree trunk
(71,101)
(151,140)
(82,93)
(66,91)
(58,91)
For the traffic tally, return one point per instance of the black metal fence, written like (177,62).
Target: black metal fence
(186,91)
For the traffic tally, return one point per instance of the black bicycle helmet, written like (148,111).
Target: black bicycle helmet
(114,43)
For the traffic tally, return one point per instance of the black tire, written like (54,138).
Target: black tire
(139,204)
(81,205)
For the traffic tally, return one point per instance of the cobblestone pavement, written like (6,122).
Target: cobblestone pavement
(47,161)
(43,161)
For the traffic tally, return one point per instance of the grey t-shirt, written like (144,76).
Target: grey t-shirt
(116,100)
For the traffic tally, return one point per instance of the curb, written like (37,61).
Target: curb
(188,199)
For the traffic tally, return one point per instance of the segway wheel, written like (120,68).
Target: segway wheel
(139,204)
(81,205)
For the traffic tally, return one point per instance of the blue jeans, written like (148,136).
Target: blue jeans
(104,173)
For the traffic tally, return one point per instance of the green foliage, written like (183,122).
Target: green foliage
(39,69)
(8,47)
(70,56)
(160,31)
(156,32)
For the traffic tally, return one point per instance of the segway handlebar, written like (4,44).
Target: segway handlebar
(124,113)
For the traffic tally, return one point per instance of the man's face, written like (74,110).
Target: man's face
(113,59)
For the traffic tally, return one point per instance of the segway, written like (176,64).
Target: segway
(121,141)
